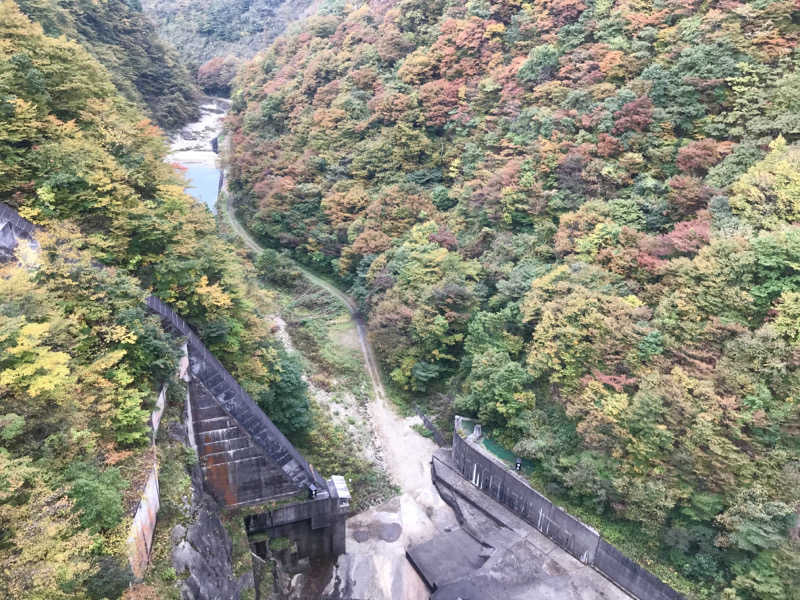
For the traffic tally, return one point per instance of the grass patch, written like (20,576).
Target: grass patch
(333,451)
(241,561)
(322,331)
(422,430)
(278,544)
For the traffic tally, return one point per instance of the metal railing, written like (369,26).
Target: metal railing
(227,391)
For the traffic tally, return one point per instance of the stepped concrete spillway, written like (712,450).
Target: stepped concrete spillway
(235,470)
(226,412)
(245,459)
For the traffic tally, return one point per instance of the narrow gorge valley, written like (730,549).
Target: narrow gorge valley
(399,300)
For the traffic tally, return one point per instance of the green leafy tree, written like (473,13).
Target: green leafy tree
(768,195)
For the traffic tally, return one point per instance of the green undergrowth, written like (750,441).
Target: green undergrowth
(241,560)
(323,334)
(422,430)
(332,451)
(436,405)
(256,509)
(317,323)
(278,544)
(321,329)
(401,400)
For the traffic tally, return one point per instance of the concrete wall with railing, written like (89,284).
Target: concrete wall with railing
(503,485)
(140,535)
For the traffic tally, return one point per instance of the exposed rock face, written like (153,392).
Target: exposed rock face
(204,550)
(375,565)
(13,230)
(194,143)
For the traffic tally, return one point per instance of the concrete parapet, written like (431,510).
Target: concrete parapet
(317,525)
(513,559)
(140,537)
(583,542)
(630,576)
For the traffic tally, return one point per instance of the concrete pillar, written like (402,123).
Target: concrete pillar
(338,536)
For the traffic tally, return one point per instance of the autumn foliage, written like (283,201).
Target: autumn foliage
(81,359)
(580,219)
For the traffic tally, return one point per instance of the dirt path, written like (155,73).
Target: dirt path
(406,454)
(375,565)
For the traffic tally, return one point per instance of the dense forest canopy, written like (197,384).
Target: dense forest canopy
(212,36)
(124,41)
(581,219)
(81,361)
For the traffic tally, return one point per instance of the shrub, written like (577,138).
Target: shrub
(97,494)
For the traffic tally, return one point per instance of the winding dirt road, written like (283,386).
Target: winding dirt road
(375,565)
(407,460)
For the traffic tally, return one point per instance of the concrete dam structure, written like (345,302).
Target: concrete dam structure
(245,460)
(514,544)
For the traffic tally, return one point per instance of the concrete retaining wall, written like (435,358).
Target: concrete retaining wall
(140,538)
(574,536)
(317,526)
(140,535)
(630,576)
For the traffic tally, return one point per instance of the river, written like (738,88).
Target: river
(191,149)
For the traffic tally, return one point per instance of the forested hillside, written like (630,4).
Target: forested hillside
(81,361)
(123,40)
(212,36)
(579,218)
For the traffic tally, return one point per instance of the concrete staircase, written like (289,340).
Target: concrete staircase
(236,471)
